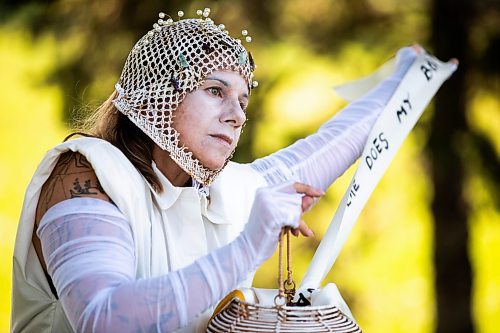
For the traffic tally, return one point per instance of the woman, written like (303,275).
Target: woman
(146,225)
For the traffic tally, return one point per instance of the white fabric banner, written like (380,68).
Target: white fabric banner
(414,93)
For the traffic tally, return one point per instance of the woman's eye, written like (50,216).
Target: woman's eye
(214,91)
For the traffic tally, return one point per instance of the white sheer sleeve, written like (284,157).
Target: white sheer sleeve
(88,247)
(322,157)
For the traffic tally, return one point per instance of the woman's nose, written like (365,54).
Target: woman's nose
(234,114)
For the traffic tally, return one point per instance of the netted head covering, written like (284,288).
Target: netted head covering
(168,62)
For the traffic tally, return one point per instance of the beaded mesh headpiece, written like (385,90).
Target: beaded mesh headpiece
(171,60)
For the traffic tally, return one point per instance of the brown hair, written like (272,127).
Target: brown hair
(109,124)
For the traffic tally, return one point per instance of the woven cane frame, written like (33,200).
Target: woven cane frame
(240,316)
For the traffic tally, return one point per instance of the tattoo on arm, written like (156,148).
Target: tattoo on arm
(78,190)
(73,177)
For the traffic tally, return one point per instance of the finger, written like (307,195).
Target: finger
(454,61)
(295,232)
(305,230)
(308,190)
(418,49)
(307,203)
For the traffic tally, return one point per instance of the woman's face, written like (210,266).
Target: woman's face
(209,119)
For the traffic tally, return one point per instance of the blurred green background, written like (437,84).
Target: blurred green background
(423,256)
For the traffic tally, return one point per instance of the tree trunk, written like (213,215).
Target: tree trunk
(450,25)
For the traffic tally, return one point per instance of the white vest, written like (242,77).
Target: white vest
(170,230)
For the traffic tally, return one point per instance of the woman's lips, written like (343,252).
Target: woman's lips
(224,138)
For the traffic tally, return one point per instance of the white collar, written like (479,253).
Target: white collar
(171,193)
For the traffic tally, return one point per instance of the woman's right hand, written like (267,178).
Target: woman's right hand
(276,207)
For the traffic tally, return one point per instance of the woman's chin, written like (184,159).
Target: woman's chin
(214,159)
(213,163)
(215,166)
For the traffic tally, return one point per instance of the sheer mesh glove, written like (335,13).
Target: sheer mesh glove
(274,208)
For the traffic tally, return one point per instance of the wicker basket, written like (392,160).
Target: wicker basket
(233,314)
(240,316)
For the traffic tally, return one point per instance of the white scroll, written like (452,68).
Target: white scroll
(415,91)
